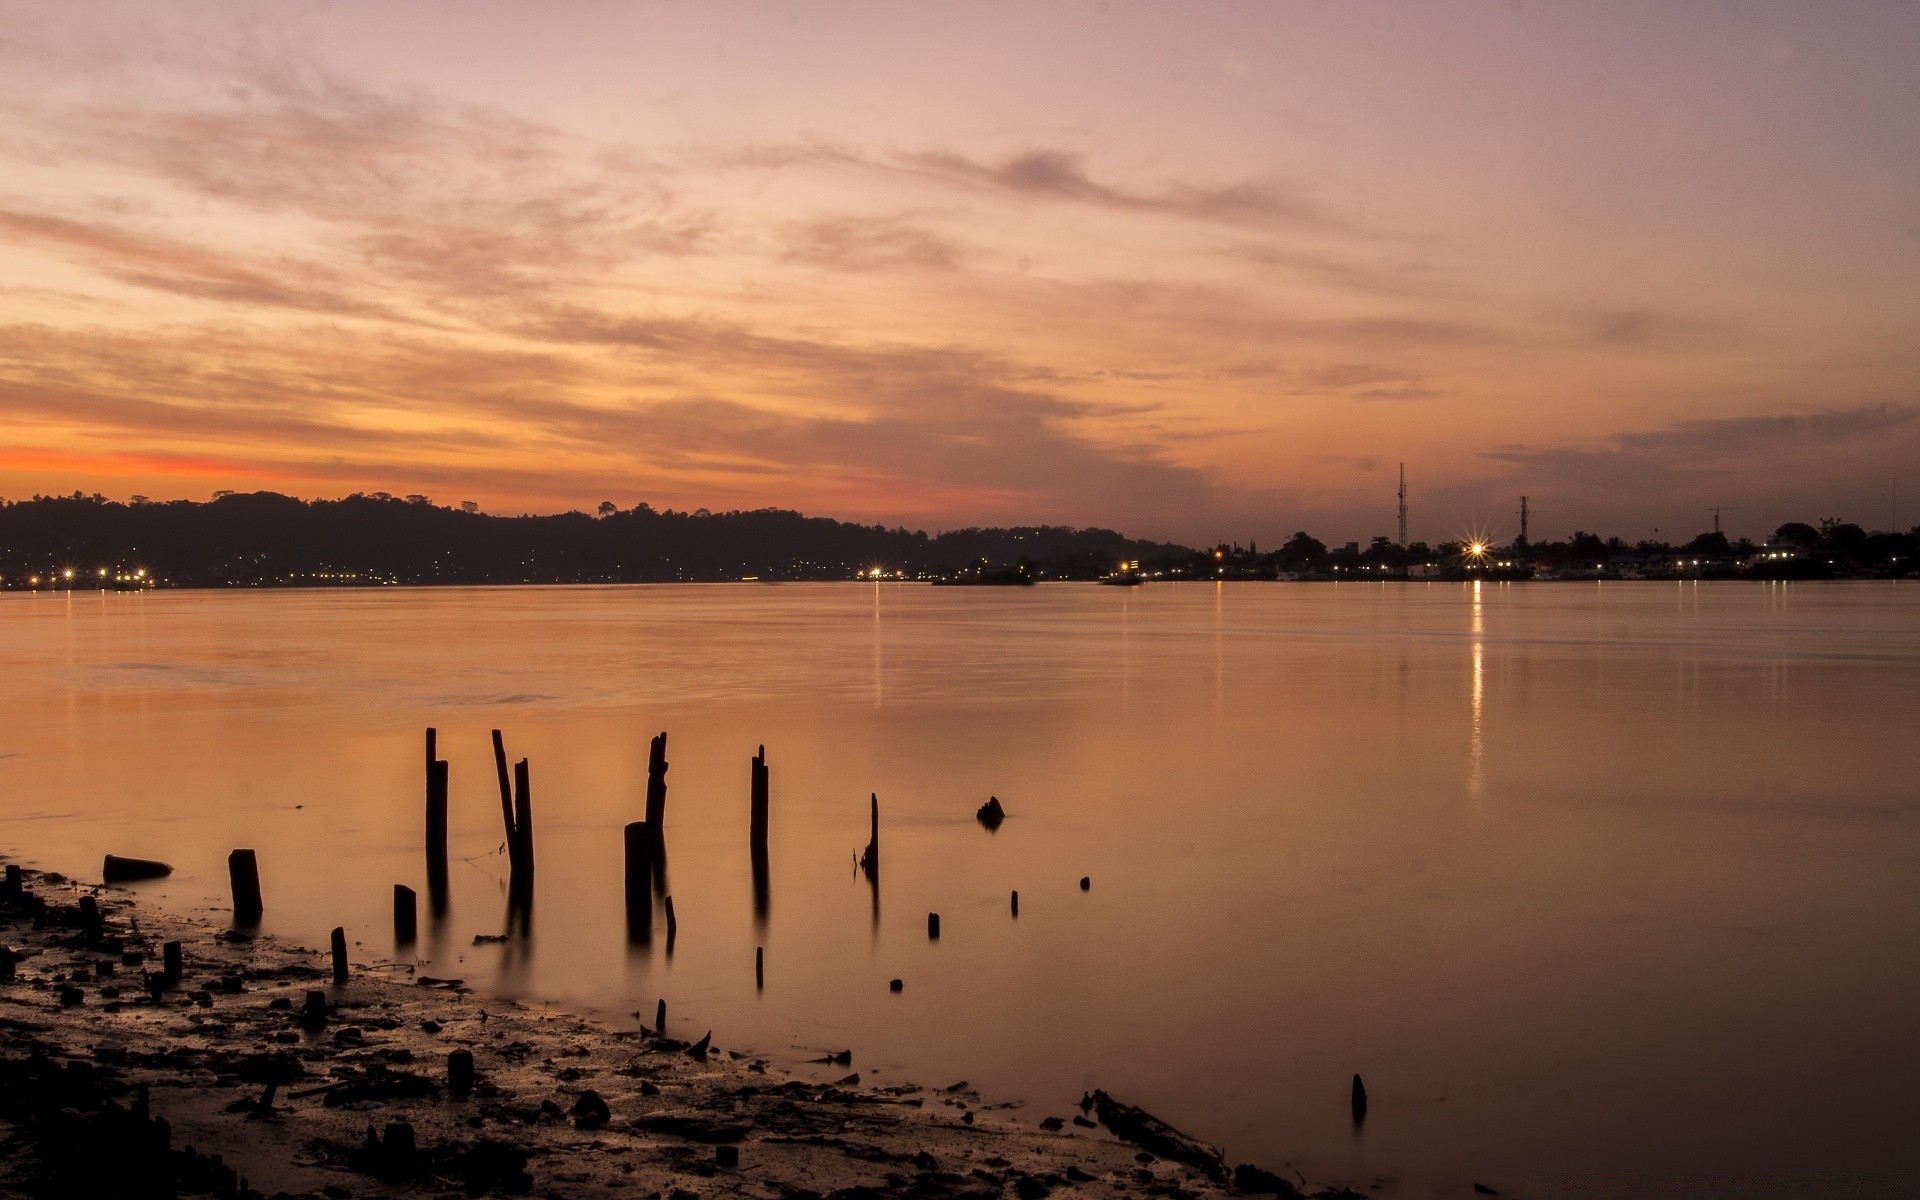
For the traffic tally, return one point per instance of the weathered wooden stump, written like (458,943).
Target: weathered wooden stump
(243,875)
(639,881)
(116,869)
(172,963)
(406,915)
(459,1072)
(436,844)
(339,954)
(933,927)
(1359,1100)
(1016,902)
(757,817)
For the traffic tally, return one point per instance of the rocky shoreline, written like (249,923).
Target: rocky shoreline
(234,1066)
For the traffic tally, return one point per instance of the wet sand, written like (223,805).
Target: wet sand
(255,1074)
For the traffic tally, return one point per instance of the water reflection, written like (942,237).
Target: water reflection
(1280,866)
(1476,744)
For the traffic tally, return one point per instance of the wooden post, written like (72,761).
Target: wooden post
(639,882)
(506,787)
(523,819)
(406,915)
(657,789)
(933,927)
(870,858)
(15,883)
(339,954)
(436,825)
(759,968)
(1359,1100)
(172,965)
(459,1072)
(673,926)
(1016,902)
(660,1017)
(757,823)
(243,873)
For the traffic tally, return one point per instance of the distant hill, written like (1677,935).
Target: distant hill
(264,538)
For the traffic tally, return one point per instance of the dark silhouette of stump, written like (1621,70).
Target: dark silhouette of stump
(991,814)
(639,881)
(460,1072)
(933,927)
(757,818)
(243,874)
(116,869)
(436,843)
(1359,1100)
(406,915)
(1016,903)
(339,955)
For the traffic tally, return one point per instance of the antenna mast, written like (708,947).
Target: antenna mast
(1403,505)
(1523,520)
(1716,510)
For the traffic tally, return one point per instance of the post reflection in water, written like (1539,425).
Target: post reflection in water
(1640,822)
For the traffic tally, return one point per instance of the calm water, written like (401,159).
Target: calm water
(1604,888)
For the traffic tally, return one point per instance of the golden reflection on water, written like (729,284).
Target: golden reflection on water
(1476,743)
(1285,887)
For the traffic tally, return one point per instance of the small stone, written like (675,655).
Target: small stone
(1086,883)
(727,1157)
(590,1111)
(1054,1124)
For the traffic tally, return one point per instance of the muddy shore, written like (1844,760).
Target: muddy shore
(252,1073)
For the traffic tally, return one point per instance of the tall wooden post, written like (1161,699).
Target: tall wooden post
(436,825)
(639,891)
(657,789)
(757,823)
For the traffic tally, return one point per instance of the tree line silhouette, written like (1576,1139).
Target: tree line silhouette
(264,538)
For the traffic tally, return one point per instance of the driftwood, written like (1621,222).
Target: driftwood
(122,870)
(1149,1132)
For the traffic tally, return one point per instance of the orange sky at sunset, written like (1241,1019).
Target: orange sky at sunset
(1193,272)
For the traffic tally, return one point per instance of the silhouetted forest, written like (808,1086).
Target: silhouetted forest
(264,538)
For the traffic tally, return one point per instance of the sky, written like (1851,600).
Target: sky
(1193,271)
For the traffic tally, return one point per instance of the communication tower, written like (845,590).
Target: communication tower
(1403,505)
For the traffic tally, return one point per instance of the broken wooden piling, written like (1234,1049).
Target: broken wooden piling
(759,968)
(639,881)
(657,788)
(1016,902)
(870,857)
(436,843)
(172,963)
(933,927)
(1359,1100)
(243,875)
(406,915)
(523,820)
(673,925)
(459,1072)
(757,821)
(339,939)
(660,1017)
(116,869)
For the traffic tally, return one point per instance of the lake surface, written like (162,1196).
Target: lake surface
(1605,889)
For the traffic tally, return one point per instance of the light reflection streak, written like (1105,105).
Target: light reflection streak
(1476,748)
